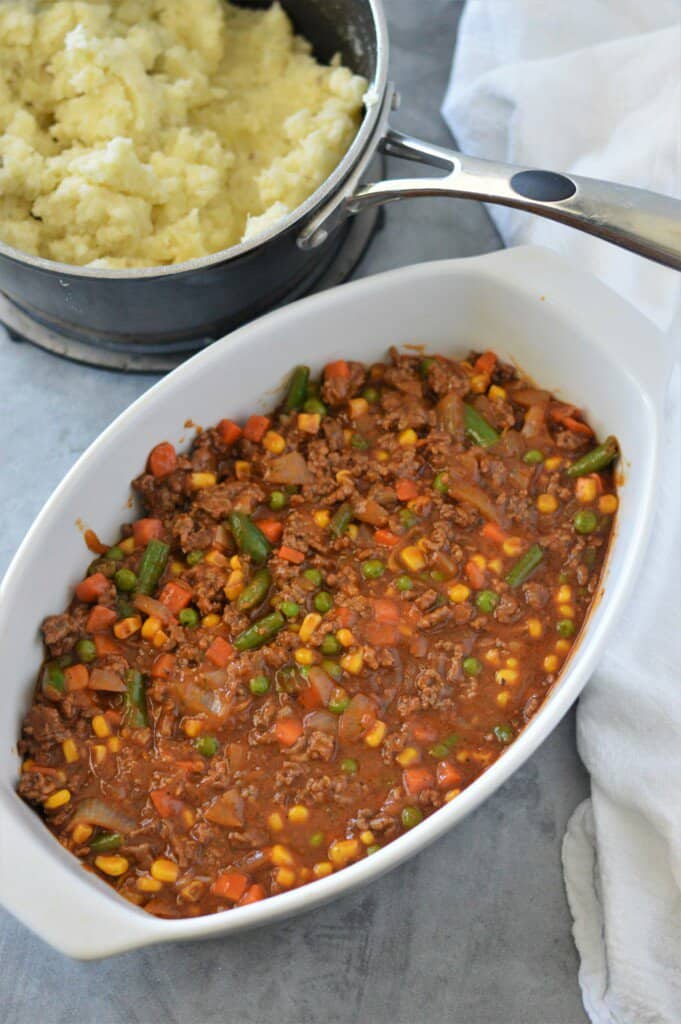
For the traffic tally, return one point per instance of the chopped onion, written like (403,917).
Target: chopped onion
(289,469)
(322,721)
(227,810)
(357,718)
(150,606)
(106,679)
(95,812)
(450,414)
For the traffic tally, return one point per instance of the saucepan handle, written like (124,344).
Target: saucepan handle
(644,222)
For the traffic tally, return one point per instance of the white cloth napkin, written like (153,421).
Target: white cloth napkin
(594,87)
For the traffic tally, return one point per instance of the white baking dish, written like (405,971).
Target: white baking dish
(570,333)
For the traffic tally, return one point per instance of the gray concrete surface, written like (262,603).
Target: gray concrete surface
(476,930)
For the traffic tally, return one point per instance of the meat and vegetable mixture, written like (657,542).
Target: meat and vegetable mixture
(328,622)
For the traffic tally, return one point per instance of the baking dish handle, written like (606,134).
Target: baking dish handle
(645,222)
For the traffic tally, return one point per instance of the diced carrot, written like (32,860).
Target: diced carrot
(256,428)
(486,363)
(165,804)
(386,610)
(163,666)
(229,431)
(578,426)
(424,732)
(288,730)
(344,615)
(252,895)
(492,531)
(447,775)
(567,416)
(406,489)
(339,369)
(145,530)
(474,574)
(230,885)
(272,529)
(100,619)
(386,539)
(94,543)
(77,677)
(381,634)
(310,698)
(291,555)
(416,779)
(175,597)
(162,459)
(92,587)
(220,652)
(105,644)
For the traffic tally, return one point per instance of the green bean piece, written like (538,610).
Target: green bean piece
(478,429)
(53,681)
(585,521)
(125,580)
(151,567)
(278,501)
(425,366)
(135,699)
(86,651)
(124,609)
(194,557)
(260,632)
(525,566)
(411,816)
(250,540)
(207,746)
(189,618)
(504,733)
(297,389)
(598,458)
(259,685)
(115,554)
(331,644)
(106,842)
(359,442)
(340,520)
(255,592)
(323,602)
(315,405)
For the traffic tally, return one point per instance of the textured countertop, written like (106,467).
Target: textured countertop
(476,929)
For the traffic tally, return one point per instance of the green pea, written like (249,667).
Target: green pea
(194,557)
(314,405)
(331,644)
(370,395)
(86,650)
(486,601)
(124,609)
(115,554)
(425,366)
(533,457)
(53,681)
(289,608)
(349,765)
(339,701)
(316,839)
(585,521)
(411,816)
(407,518)
(504,733)
(125,580)
(589,557)
(359,442)
(566,627)
(259,685)
(404,583)
(441,482)
(372,569)
(323,602)
(207,746)
(278,501)
(439,750)
(333,669)
(314,576)
(188,617)
(374,848)
(472,667)
(65,660)
(438,576)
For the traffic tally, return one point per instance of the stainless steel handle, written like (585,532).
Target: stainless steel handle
(644,222)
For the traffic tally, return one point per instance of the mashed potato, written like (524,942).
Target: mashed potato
(145,132)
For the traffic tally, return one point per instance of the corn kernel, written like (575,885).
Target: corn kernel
(608,504)
(188,817)
(126,627)
(57,799)
(513,546)
(235,562)
(159,638)
(308,626)
(547,503)
(342,851)
(408,756)
(357,407)
(146,884)
(367,837)
(382,455)
(81,833)
(208,621)
(27,764)
(127,546)
(480,561)
(177,568)
(308,422)
(551,663)
(273,442)
(495,565)
(234,585)
(512,663)
(286,878)
(200,480)
(275,822)
(506,676)
(345,637)
(408,437)
(114,744)
(164,870)
(298,814)
(304,656)
(150,627)
(281,856)
(503,698)
(567,611)
(496,393)
(493,657)
(192,727)
(322,518)
(352,531)
(479,382)
(463,756)
(352,662)
(113,865)
(564,594)
(451,794)
(376,734)
(535,628)
(70,751)
(459,593)
(100,752)
(347,435)
(100,726)
(586,490)
(343,475)
(562,646)
(555,462)
(242,469)
(322,869)
(215,557)
(413,558)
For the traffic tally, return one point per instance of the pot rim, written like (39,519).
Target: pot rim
(373,104)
